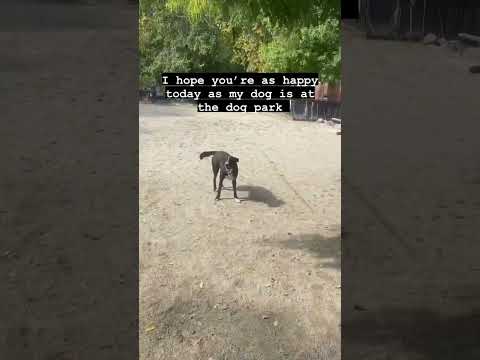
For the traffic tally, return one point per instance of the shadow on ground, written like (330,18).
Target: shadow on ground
(196,327)
(425,333)
(326,249)
(260,194)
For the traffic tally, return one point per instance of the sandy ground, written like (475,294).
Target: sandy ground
(255,280)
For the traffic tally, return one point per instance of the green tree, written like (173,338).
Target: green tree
(283,11)
(277,35)
(170,42)
(313,48)
(245,35)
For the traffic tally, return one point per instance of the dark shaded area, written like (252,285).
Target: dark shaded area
(349,9)
(445,18)
(409,203)
(326,249)
(64,15)
(421,331)
(260,194)
(69,184)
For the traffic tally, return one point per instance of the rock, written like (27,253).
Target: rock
(442,41)
(430,39)
(475,69)
(275,323)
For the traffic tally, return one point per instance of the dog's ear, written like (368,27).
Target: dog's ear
(234,159)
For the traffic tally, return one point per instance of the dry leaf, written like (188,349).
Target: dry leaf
(150,328)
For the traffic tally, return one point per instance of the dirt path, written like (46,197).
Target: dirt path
(255,280)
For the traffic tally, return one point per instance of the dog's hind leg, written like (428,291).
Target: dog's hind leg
(215,169)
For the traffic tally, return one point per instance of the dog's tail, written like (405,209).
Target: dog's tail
(207,153)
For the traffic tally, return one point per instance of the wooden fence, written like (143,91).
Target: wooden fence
(326,105)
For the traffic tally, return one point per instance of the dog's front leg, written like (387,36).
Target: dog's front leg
(234,185)
(220,185)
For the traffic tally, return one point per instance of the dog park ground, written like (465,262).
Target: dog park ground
(222,280)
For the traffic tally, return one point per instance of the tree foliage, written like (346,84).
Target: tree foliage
(284,11)
(313,48)
(245,35)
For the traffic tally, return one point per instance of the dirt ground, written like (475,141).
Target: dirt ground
(410,201)
(222,280)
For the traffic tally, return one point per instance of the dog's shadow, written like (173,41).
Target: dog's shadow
(258,194)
